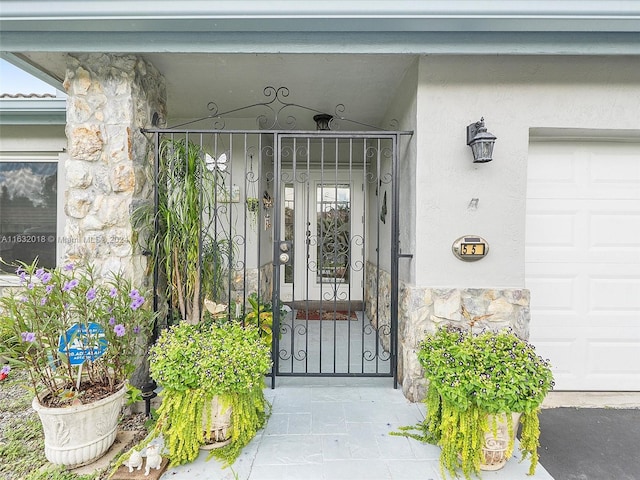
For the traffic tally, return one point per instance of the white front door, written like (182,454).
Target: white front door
(583,261)
(323,218)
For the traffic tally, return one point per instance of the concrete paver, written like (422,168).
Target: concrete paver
(337,428)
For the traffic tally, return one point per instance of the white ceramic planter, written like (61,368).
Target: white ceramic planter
(78,435)
(495,448)
(220,433)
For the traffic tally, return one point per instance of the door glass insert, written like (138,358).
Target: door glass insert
(289,227)
(333,204)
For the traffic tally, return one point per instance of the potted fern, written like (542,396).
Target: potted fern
(481,384)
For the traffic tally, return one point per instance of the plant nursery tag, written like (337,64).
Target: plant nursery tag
(83,342)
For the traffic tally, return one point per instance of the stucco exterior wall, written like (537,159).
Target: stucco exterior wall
(32,138)
(513,94)
(403,109)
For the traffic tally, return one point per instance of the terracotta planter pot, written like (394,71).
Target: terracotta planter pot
(495,448)
(78,435)
(220,434)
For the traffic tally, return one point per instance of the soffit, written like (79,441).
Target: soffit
(364,84)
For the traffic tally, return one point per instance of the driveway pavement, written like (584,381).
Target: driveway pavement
(590,443)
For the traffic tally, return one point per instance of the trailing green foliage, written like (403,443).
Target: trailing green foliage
(180,422)
(194,363)
(473,378)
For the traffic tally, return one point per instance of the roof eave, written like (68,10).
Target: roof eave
(32,111)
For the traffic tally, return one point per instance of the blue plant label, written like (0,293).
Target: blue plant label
(83,342)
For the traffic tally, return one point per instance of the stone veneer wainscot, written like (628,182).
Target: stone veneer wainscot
(422,310)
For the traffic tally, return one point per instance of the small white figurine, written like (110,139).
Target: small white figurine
(134,461)
(154,460)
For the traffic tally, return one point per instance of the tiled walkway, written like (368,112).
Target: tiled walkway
(335,429)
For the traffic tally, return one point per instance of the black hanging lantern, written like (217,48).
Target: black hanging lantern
(323,121)
(480,141)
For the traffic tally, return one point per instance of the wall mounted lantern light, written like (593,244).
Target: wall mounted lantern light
(480,141)
(323,121)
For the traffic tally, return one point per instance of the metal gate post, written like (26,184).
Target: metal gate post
(275,301)
(395,244)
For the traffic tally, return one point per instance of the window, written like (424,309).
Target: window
(29,200)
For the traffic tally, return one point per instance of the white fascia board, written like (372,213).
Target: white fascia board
(320,16)
(409,43)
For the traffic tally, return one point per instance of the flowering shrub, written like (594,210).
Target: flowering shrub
(194,363)
(495,371)
(472,375)
(59,319)
(217,359)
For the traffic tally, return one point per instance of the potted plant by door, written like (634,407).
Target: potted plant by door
(79,338)
(190,259)
(212,379)
(477,382)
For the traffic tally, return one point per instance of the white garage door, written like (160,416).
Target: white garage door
(583,261)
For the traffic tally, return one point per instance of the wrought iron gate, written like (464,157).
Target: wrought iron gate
(300,224)
(334,231)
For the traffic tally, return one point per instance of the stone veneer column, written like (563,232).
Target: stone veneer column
(423,310)
(110,164)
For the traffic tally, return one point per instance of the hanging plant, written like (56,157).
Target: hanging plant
(253,204)
(253,207)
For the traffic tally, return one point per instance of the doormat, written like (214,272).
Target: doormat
(325,315)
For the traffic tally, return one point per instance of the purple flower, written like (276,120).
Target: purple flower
(22,274)
(136,329)
(28,336)
(112,321)
(23,299)
(119,330)
(68,267)
(68,286)
(43,300)
(113,292)
(49,288)
(137,303)
(30,286)
(39,273)
(134,294)
(46,277)
(91,294)
(5,370)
